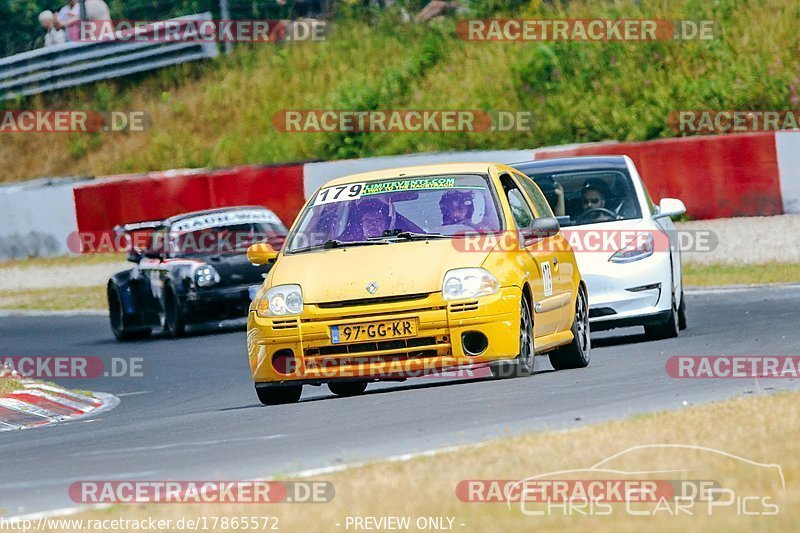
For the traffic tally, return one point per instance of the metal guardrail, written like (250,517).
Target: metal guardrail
(78,63)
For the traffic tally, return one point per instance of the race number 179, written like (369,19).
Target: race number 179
(339,193)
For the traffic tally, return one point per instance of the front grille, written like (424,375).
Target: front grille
(464,306)
(394,344)
(373,301)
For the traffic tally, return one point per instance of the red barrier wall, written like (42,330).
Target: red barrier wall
(103,204)
(716,176)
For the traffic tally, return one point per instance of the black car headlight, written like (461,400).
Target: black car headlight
(206,276)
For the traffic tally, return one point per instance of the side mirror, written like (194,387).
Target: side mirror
(670,207)
(261,253)
(540,228)
(134,255)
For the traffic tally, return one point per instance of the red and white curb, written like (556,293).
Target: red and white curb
(39,405)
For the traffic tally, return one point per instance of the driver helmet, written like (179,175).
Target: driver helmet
(375,214)
(456,200)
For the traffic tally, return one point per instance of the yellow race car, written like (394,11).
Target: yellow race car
(406,272)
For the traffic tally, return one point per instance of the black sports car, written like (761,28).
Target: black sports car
(192,270)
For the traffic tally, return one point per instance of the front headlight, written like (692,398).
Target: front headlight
(468,283)
(639,248)
(206,276)
(281,300)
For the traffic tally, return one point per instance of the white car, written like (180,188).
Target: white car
(626,246)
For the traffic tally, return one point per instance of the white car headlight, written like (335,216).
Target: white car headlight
(468,283)
(281,300)
(206,276)
(639,248)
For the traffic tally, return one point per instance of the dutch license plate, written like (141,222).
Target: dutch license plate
(387,329)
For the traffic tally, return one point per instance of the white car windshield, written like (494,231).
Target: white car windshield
(395,209)
(589,196)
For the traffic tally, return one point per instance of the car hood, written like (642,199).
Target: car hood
(400,268)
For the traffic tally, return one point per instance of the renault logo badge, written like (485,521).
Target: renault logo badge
(372,288)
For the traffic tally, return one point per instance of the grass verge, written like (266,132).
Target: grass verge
(61,299)
(64,260)
(697,275)
(8,385)
(761,429)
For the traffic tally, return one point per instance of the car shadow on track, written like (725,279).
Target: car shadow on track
(398,387)
(404,386)
(618,340)
(194,331)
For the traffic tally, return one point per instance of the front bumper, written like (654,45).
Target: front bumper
(629,294)
(436,346)
(217,303)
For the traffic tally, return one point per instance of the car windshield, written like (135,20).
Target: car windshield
(396,209)
(589,196)
(224,239)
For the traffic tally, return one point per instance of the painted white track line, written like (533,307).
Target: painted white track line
(31,313)
(723,289)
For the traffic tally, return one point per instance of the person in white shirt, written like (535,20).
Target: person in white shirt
(52,36)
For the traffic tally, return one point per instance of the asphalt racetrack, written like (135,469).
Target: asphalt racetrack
(194,415)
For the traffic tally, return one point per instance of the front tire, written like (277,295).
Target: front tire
(119,322)
(279,395)
(347,388)
(682,313)
(667,329)
(174,317)
(523,364)
(578,353)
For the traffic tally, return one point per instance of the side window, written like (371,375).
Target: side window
(536,196)
(523,216)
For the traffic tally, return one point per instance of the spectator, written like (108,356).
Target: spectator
(68,18)
(97,10)
(52,35)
